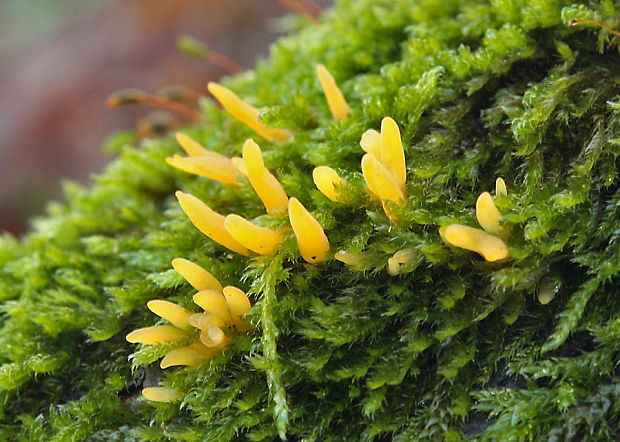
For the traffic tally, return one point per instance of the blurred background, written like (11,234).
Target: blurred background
(61,59)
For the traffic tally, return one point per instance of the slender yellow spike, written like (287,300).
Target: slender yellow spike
(258,239)
(349,258)
(335,100)
(203,321)
(157,334)
(311,239)
(238,305)
(192,147)
(267,187)
(218,169)
(488,216)
(240,165)
(162,394)
(190,355)
(213,302)
(175,314)
(326,179)
(490,247)
(198,277)
(245,113)
(500,187)
(392,153)
(208,222)
(371,142)
(379,180)
(214,338)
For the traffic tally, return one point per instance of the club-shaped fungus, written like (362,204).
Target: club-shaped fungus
(487,242)
(311,239)
(267,187)
(338,106)
(326,180)
(245,113)
(222,308)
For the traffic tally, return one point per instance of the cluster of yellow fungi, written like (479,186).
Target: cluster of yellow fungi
(222,308)
(384,170)
(488,242)
(233,231)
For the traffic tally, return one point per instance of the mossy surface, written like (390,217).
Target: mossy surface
(453,347)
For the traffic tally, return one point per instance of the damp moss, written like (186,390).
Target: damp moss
(445,347)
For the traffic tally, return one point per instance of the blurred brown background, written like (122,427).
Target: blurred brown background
(60,59)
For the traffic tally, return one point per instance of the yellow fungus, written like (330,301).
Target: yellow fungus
(371,142)
(349,258)
(162,394)
(392,153)
(203,321)
(488,246)
(258,239)
(208,222)
(402,256)
(238,305)
(175,314)
(240,165)
(335,100)
(157,334)
(194,149)
(500,187)
(214,338)
(488,216)
(325,178)
(379,180)
(245,113)
(311,239)
(546,291)
(267,187)
(198,277)
(214,302)
(218,169)
(442,234)
(190,355)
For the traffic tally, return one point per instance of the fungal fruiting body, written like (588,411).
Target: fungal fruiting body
(246,113)
(488,216)
(162,394)
(222,308)
(490,247)
(311,239)
(500,187)
(400,257)
(487,242)
(258,239)
(267,187)
(327,180)
(209,222)
(383,166)
(338,106)
(242,236)
(350,258)
(203,162)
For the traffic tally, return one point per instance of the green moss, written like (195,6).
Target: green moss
(453,347)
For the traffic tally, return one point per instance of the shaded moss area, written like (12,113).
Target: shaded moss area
(453,347)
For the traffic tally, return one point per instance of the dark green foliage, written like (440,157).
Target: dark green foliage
(453,347)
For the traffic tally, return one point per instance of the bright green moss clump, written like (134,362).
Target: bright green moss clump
(410,338)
